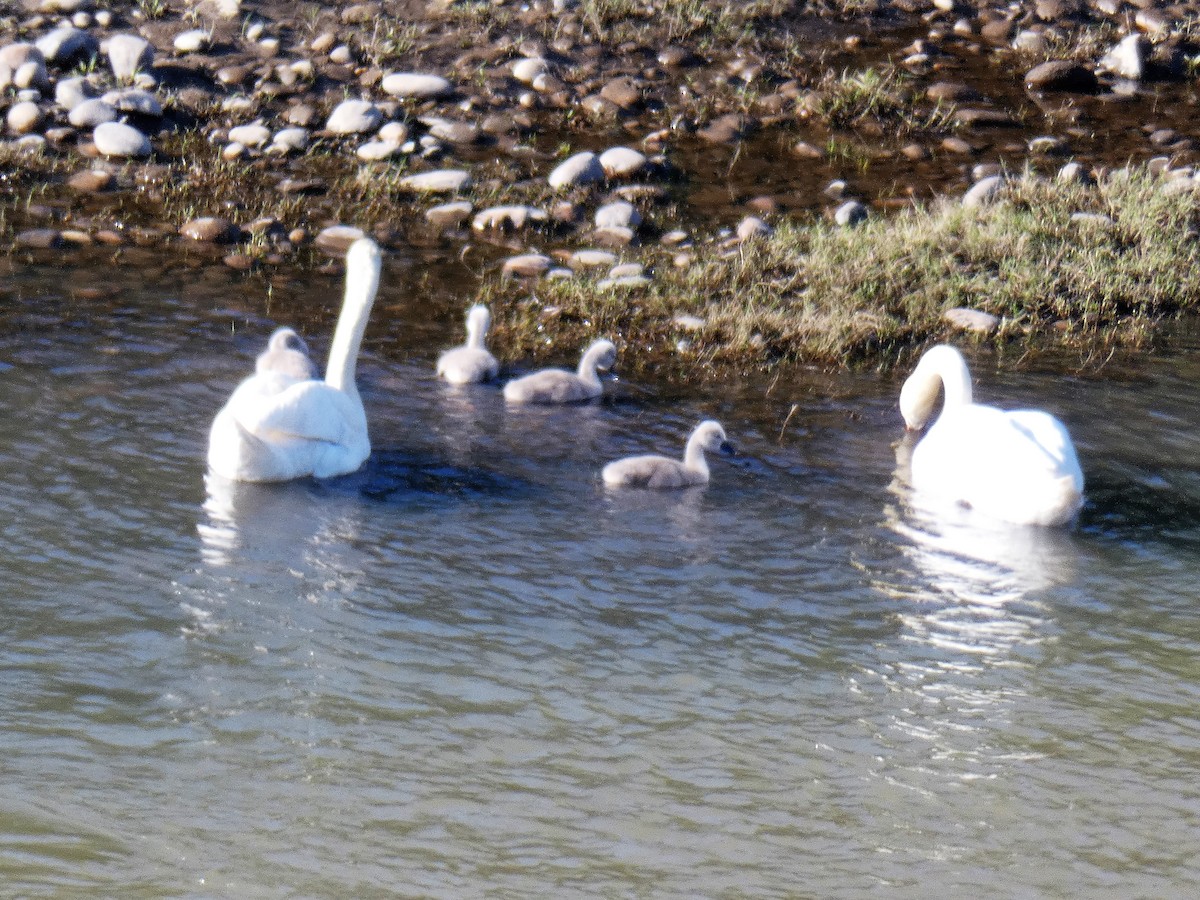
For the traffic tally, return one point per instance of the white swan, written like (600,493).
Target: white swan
(653,471)
(1016,466)
(286,354)
(275,427)
(561,386)
(471,362)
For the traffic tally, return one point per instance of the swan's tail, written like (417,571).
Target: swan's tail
(1065,500)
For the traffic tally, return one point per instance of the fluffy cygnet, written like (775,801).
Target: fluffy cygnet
(470,363)
(561,386)
(286,355)
(652,471)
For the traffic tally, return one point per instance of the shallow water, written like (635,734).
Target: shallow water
(468,670)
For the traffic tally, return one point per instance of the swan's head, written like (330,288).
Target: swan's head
(602,353)
(940,366)
(711,437)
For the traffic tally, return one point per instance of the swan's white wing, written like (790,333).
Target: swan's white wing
(304,411)
(1020,467)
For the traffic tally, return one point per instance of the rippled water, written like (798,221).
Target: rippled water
(470,671)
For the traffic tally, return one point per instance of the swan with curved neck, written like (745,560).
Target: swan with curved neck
(1017,466)
(662,472)
(561,386)
(286,354)
(275,427)
(470,363)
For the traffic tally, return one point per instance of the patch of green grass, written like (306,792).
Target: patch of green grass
(836,296)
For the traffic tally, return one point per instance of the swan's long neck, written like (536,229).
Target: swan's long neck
(587,366)
(363,263)
(693,455)
(941,367)
(956,379)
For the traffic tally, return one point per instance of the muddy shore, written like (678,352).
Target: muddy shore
(611,144)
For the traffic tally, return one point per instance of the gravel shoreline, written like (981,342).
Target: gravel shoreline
(605,138)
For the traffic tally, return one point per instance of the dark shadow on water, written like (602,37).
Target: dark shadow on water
(1163,508)
(394,476)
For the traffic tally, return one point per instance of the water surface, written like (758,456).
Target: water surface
(469,670)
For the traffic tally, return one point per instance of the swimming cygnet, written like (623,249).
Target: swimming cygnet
(654,471)
(286,355)
(561,386)
(471,362)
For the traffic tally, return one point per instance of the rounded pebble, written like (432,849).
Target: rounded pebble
(416,85)
(119,139)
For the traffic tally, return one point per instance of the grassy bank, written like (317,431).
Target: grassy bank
(832,295)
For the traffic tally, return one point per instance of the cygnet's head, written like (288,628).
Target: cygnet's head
(604,352)
(286,354)
(478,318)
(711,437)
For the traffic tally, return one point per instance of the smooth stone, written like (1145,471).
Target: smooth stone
(393,133)
(416,86)
(983,192)
(619,214)
(613,236)
(119,139)
(39,238)
(622,92)
(91,113)
(24,117)
(92,181)
(850,213)
(354,117)
(580,169)
(1127,59)
(336,239)
(67,43)
(460,133)
(210,229)
(508,217)
(255,134)
(442,181)
(377,151)
(134,100)
(624,270)
(192,41)
(1060,75)
(753,227)
(975,321)
(1074,173)
(621,162)
(983,118)
(689,322)
(233,151)
(70,92)
(952,92)
(128,54)
(30,143)
(527,265)
(625,282)
(14,57)
(449,215)
(1098,220)
(589,258)
(526,70)
(291,139)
